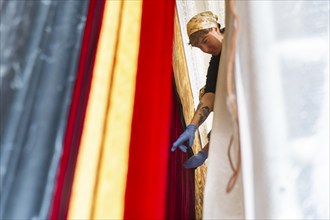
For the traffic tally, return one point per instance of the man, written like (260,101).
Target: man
(204,33)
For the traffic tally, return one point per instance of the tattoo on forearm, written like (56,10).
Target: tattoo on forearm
(203,112)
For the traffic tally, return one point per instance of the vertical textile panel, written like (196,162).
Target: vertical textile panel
(180,201)
(147,169)
(76,117)
(87,163)
(40,44)
(109,201)
(100,179)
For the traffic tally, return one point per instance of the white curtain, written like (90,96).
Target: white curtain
(282,81)
(218,203)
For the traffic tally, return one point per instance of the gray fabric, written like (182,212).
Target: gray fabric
(40,47)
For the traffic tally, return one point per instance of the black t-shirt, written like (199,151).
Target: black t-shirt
(212,74)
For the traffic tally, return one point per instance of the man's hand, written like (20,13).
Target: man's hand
(187,135)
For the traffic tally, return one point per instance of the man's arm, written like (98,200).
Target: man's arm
(204,108)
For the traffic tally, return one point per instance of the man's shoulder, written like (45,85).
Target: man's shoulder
(214,60)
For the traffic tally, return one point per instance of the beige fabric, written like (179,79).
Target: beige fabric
(218,204)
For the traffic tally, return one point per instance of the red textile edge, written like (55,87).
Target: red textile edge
(148,155)
(71,142)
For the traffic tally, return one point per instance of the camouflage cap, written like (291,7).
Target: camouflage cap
(202,21)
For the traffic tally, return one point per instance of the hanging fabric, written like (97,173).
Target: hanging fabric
(40,46)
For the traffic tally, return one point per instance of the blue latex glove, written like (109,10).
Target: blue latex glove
(187,135)
(196,160)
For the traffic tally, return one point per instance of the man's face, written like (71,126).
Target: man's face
(211,42)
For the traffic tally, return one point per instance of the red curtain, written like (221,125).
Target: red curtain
(180,181)
(148,155)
